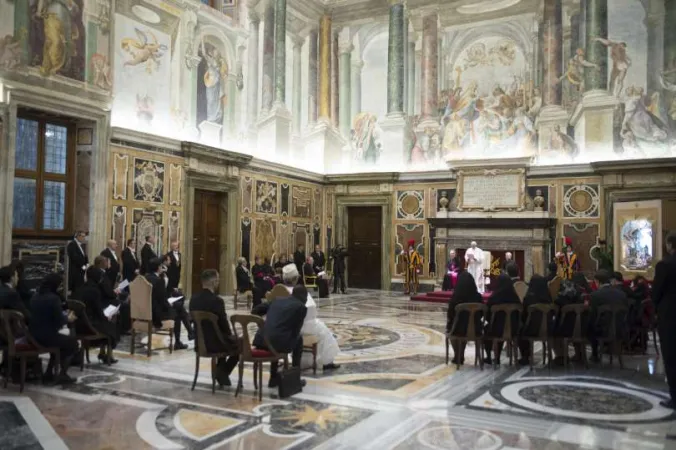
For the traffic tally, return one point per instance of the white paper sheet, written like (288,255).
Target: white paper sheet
(173,300)
(110,311)
(123,284)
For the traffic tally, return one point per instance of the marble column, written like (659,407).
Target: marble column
(280,52)
(355,88)
(429,70)
(596,26)
(406,80)
(395,60)
(551,90)
(252,80)
(335,77)
(669,47)
(654,23)
(297,86)
(345,88)
(593,118)
(552,116)
(312,74)
(268,57)
(325,68)
(410,68)
(417,88)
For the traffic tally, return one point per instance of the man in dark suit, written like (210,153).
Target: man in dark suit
(664,298)
(283,322)
(606,294)
(512,270)
(77,261)
(130,265)
(162,309)
(174,267)
(299,257)
(208,301)
(147,254)
(9,297)
(508,259)
(108,292)
(319,259)
(338,254)
(113,270)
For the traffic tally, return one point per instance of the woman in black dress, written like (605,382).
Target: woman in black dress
(465,292)
(503,293)
(538,293)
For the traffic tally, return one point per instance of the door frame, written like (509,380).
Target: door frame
(343,202)
(228,235)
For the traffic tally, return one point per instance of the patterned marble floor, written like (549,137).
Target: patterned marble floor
(393,391)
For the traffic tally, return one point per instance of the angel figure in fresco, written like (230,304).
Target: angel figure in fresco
(575,70)
(214,82)
(366,139)
(646,129)
(621,63)
(563,143)
(144,50)
(10,52)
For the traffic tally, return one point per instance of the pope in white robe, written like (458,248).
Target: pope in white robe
(327,345)
(474,257)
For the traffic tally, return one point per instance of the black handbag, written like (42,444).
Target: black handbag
(289,382)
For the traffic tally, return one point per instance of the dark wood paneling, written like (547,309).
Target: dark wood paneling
(364,242)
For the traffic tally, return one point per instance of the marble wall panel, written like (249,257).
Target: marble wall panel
(317,206)
(120,176)
(175,184)
(265,238)
(245,230)
(285,190)
(174,226)
(581,200)
(266,197)
(247,194)
(411,204)
(149,180)
(148,222)
(301,201)
(404,233)
(40,258)
(118,228)
(82,189)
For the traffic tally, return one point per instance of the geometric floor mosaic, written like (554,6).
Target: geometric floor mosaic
(393,391)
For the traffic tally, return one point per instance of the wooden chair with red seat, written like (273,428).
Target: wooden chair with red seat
(141,308)
(13,325)
(509,334)
(473,333)
(545,330)
(521,289)
(199,318)
(254,355)
(554,286)
(88,333)
(579,335)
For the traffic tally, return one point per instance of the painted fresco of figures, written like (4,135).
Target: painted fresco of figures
(641,130)
(57,37)
(213,72)
(574,73)
(366,138)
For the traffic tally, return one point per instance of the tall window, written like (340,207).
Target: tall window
(43,184)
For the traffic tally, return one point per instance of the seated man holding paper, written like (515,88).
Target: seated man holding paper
(100,318)
(165,307)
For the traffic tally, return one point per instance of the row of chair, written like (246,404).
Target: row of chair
(547,312)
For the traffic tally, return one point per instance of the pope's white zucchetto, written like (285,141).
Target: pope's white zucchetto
(289,271)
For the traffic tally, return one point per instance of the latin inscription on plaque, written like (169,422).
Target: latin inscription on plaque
(492,191)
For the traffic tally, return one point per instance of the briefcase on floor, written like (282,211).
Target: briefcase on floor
(323,286)
(289,382)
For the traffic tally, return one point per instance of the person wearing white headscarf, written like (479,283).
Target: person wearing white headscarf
(474,258)
(327,345)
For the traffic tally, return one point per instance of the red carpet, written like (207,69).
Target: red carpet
(438,297)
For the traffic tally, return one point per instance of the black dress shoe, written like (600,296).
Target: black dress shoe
(64,379)
(104,359)
(180,345)
(668,404)
(273,383)
(331,366)
(223,380)
(303,383)
(191,336)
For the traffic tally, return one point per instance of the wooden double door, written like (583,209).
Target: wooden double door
(206,238)
(364,244)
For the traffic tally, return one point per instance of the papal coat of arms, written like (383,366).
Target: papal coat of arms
(148,181)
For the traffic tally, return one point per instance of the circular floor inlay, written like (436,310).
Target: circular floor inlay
(357,337)
(457,438)
(585,399)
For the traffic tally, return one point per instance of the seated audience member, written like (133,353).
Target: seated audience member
(569,294)
(308,269)
(465,292)
(604,295)
(9,297)
(640,287)
(282,328)
(281,262)
(538,293)
(327,345)
(109,295)
(245,283)
(582,284)
(278,275)
(162,309)
(503,293)
(208,301)
(48,318)
(512,270)
(552,268)
(90,295)
(261,275)
(22,288)
(617,281)
(453,268)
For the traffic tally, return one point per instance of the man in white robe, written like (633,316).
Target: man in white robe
(474,257)
(327,345)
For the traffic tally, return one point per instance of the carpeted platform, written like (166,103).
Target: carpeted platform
(439,297)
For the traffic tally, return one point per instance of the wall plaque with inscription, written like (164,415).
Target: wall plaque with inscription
(491,190)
